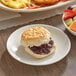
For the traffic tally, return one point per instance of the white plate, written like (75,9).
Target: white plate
(60,4)
(60,38)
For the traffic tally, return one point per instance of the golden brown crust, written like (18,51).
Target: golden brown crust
(46,2)
(15,3)
(35,33)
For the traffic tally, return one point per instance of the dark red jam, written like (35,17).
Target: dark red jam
(70,8)
(43,49)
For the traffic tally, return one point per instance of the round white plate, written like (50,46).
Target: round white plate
(60,38)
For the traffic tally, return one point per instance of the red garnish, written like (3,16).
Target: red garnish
(33,6)
(69,14)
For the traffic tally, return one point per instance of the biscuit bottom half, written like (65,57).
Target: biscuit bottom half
(42,50)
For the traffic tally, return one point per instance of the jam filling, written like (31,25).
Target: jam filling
(42,49)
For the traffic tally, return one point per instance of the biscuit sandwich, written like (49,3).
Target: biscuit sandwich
(37,42)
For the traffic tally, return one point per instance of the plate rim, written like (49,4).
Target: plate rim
(69,47)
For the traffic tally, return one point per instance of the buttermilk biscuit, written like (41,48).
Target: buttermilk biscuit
(16,3)
(37,42)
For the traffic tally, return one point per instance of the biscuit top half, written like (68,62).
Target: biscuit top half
(33,33)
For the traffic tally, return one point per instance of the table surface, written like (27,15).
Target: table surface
(11,67)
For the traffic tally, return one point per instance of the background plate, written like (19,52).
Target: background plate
(60,4)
